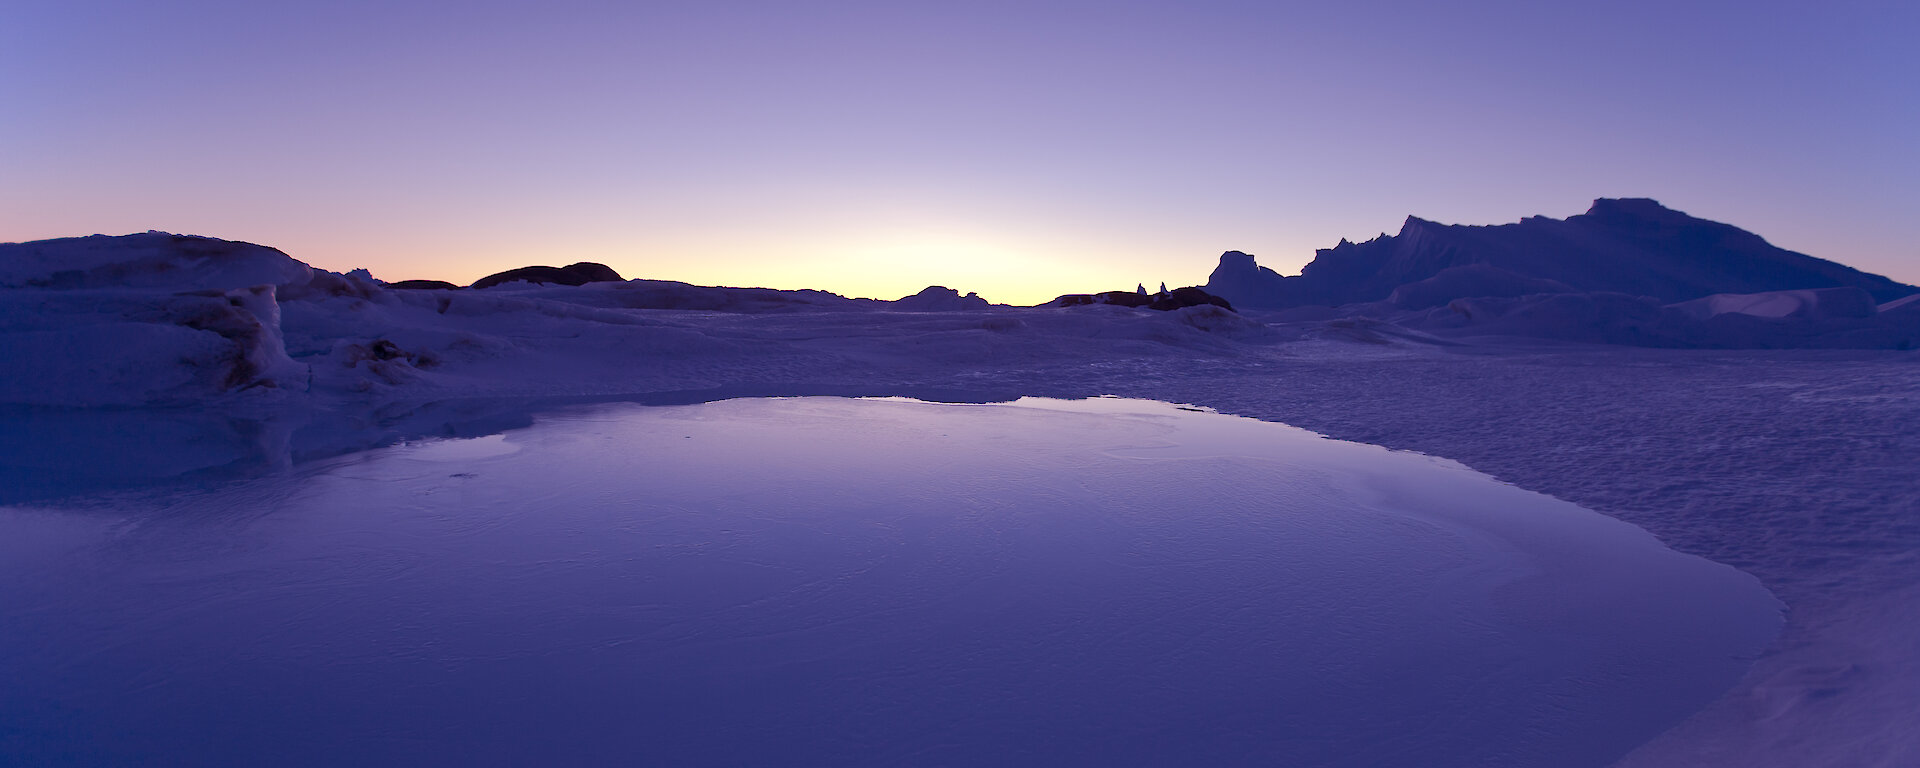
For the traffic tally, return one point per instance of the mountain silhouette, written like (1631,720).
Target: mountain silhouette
(1633,246)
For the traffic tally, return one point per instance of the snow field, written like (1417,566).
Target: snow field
(1793,466)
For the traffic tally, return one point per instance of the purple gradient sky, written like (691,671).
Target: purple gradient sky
(1021,150)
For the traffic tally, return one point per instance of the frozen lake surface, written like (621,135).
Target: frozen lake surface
(827,581)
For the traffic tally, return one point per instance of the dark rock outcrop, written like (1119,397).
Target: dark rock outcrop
(1119,298)
(572,274)
(424,285)
(1187,297)
(1170,300)
(668,294)
(939,298)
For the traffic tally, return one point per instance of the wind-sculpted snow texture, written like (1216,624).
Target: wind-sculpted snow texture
(1792,465)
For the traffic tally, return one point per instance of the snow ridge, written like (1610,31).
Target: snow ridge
(1632,246)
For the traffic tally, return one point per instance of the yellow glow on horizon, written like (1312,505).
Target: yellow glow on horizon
(896,264)
(889,264)
(889,267)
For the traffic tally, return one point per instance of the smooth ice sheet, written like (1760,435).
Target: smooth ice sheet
(825,581)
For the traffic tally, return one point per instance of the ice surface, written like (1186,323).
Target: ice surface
(840,582)
(1794,466)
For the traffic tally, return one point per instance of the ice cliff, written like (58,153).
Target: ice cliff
(1635,247)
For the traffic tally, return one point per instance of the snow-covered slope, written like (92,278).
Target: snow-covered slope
(155,261)
(1629,246)
(1834,318)
(148,319)
(1811,304)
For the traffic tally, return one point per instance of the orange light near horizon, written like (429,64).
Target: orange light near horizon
(1017,270)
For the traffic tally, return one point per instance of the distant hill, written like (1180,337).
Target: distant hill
(1631,246)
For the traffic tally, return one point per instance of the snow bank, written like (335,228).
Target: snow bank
(117,347)
(154,261)
(1810,304)
(1795,466)
(158,319)
(1908,304)
(1839,318)
(150,319)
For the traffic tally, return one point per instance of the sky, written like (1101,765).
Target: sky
(1021,150)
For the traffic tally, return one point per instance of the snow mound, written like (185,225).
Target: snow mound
(1215,319)
(151,319)
(1906,304)
(155,260)
(1811,304)
(92,348)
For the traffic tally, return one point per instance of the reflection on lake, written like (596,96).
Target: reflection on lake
(827,581)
